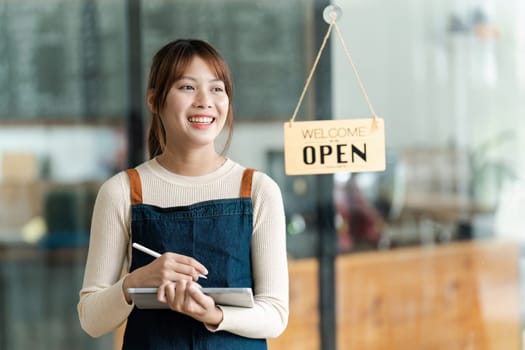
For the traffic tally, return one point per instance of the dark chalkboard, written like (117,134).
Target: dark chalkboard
(66,60)
(61,60)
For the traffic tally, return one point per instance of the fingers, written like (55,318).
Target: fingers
(182,265)
(194,293)
(180,296)
(187,298)
(165,292)
(172,294)
(195,267)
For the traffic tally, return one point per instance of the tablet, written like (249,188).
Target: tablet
(146,298)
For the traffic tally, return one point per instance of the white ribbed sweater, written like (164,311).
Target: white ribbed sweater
(102,306)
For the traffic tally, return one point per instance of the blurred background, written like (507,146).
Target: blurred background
(425,255)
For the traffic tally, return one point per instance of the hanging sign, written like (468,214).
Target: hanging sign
(330,146)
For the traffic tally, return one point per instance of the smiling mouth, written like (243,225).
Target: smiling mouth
(201,120)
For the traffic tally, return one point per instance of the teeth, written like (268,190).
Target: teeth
(203,120)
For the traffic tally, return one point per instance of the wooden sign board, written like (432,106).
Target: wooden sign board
(330,146)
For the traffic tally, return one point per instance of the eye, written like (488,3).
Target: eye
(186,87)
(217,89)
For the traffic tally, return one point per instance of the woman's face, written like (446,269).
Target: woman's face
(196,108)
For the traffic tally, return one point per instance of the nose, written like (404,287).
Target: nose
(202,100)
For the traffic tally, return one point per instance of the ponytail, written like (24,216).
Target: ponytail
(156,137)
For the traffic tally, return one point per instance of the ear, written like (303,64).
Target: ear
(150,97)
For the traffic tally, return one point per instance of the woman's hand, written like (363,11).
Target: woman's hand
(186,297)
(169,267)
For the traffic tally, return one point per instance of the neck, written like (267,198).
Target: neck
(191,164)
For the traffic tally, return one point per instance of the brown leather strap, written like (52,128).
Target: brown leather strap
(246,184)
(135,186)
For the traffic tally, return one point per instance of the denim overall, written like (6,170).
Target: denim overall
(218,234)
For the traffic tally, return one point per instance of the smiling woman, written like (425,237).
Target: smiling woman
(200,211)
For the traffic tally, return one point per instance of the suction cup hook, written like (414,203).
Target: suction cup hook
(332,13)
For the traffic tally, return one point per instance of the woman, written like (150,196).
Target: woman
(203,211)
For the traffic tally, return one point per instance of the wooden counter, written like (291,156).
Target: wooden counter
(454,296)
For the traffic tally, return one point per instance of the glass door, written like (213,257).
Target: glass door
(62,132)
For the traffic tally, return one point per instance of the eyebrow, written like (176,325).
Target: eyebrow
(193,79)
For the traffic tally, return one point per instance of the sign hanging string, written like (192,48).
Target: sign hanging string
(316,62)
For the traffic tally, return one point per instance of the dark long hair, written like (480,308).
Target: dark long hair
(168,65)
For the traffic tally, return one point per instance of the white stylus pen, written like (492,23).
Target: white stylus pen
(153,253)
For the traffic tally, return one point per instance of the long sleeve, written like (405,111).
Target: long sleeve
(102,306)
